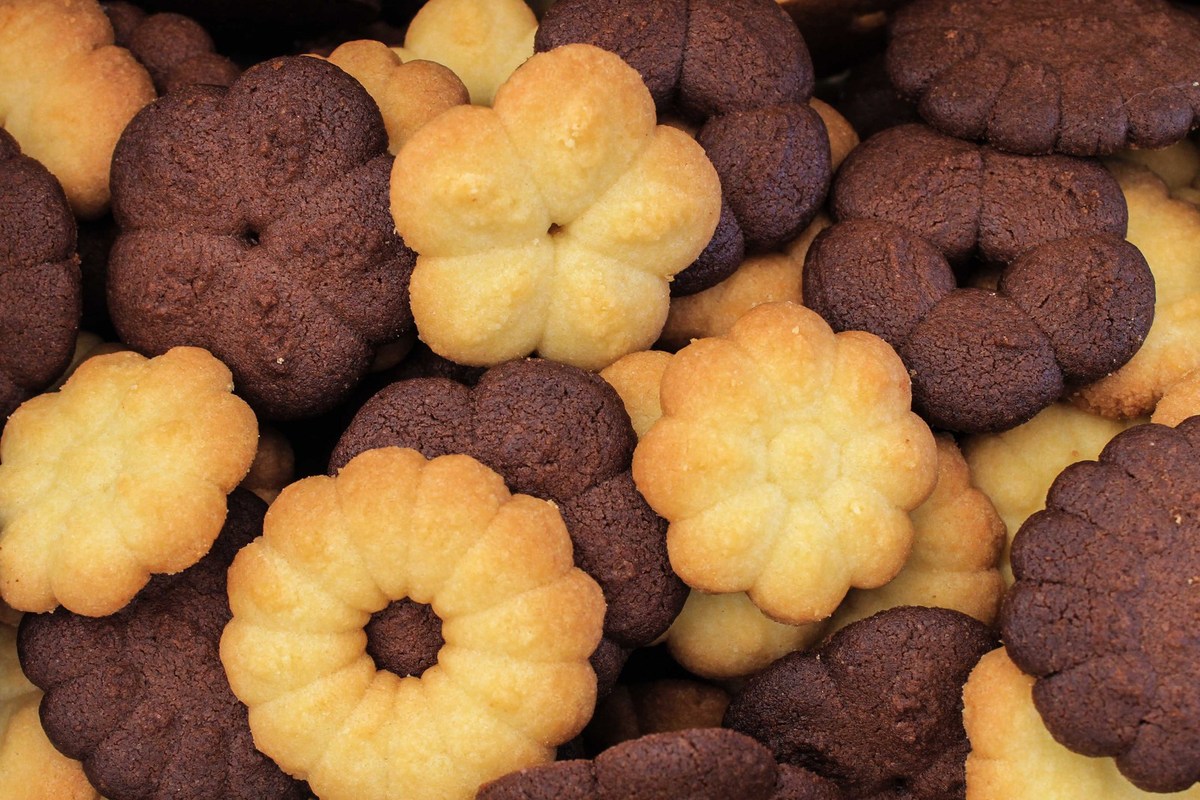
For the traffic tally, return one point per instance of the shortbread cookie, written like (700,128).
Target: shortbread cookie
(786,461)
(553,221)
(1102,607)
(1181,400)
(67,92)
(120,474)
(478,628)
(140,696)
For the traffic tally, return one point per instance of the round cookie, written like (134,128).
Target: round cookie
(1004,72)
(876,708)
(174,49)
(558,433)
(518,622)
(140,696)
(259,216)
(701,764)
(40,283)
(1102,601)
(1074,301)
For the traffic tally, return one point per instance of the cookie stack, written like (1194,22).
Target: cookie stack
(599,399)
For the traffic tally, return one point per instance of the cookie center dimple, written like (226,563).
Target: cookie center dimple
(250,236)
(405,637)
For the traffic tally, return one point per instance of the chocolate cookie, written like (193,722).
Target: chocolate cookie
(841,33)
(176,50)
(558,433)
(1084,77)
(141,698)
(1074,301)
(1104,605)
(741,73)
(39,278)
(700,764)
(877,708)
(255,223)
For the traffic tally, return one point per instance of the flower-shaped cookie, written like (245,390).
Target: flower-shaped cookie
(1014,756)
(554,220)
(40,289)
(1075,76)
(140,696)
(66,92)
(176,50)
(1105,602)
(699,764)
(554,432)
(877,708)
(1167,231)
(786,461)
(391,541)
(254,223)
(120,474)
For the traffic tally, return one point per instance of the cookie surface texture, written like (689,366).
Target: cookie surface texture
(140,696)
(553,221)
(1103,601)
(254,223)
(518,621)
(122,473)
(786,462)
(1084,77)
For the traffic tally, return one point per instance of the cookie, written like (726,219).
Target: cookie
(120,474)
(67,92)
(756,426)
(878,706)
(176,50)
(1180,401)
(553,221)
(517,621)
(254,223)
(1104,582)
(1004,72)
(40,282)
(659,706)
(140,696)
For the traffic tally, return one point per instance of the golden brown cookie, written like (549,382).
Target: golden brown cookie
(478,628)
(1180,401)
(120,474)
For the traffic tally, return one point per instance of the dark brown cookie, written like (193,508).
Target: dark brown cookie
(175,49)
(555,432)
(1105,603)
(877,708)
(698,764)
(738,70)
(1084,77)
(720,258)
(255,223)
(141,698)
(39,278)
(869,102)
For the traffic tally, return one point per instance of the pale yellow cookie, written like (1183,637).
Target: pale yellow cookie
(842,136)
(554,221)
(1014,757)
(120,474)
(518,621)
(66,92)
(636,377)
(1181,400)
(1016,467)
(764,278)
(273,467)
(30,767)
(481,41)
(1167,231)
(786,462)
(408,94)
(955,555)
(660,706)
(1177,165)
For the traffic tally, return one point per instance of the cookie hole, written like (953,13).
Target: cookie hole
(554,228)
(404,637)
(250,236)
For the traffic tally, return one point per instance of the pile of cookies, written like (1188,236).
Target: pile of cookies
(790,399)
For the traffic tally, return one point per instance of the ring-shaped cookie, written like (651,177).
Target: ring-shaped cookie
(519,622)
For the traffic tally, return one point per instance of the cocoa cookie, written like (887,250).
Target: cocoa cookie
(877,708)
(700,763)
(255,223)
(1104,600)
(741,73)
(176,50)
(558,433)
(40,287)
(918,211)
(140,697)
(1084,77)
